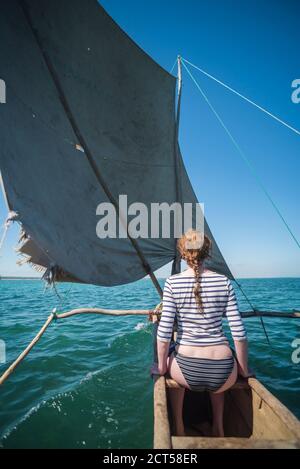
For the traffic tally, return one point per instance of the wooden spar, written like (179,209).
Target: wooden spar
(122,312)
(112,312)
(21,357)
(176,262)
(54,315)
(84,145)
(271,314)
(146,312)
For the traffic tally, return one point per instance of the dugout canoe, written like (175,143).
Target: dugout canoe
(253,418)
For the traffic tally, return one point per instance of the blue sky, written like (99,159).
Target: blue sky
(253,47)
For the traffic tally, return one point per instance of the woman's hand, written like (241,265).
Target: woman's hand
(156,370)
(246,373)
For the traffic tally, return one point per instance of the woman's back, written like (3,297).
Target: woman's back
(199,327)
(202,361)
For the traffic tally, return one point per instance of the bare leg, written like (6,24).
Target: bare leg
(231,379)
(177,395)
(217,402)
(176,399)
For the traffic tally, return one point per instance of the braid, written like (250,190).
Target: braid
(195,248)
(197,287)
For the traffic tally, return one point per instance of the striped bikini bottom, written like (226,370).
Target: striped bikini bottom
(204,374)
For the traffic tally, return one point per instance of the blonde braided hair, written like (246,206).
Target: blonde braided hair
(194,247)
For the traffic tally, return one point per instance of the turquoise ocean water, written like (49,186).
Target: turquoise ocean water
(87,385)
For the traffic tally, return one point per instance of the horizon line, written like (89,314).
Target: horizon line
(17,277)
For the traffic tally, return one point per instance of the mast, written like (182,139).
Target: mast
(83,143)
(176,266)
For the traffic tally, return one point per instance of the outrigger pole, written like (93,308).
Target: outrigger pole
(119,312)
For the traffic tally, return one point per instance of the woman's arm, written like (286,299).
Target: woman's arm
(162,355)
(241,348)
(237,331)
(165,328)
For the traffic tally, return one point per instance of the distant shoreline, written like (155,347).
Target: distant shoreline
(19,278)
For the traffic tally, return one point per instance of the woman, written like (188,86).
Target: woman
(202,359)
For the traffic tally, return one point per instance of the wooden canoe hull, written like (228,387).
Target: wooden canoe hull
(253,418)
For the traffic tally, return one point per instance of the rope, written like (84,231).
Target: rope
(247,161)
(171,71)
(66,296)
(244,97)
(9,219)
(244,157)
(255,311)
(5,228)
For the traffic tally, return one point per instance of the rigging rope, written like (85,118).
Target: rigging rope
(243,97)
(4,233)
(244,157)
(176,60)
(9,219)
(255,311)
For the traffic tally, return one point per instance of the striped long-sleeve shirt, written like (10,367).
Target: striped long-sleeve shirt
(196,327)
